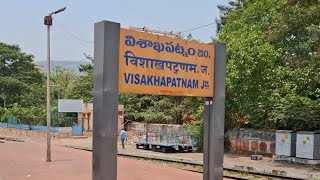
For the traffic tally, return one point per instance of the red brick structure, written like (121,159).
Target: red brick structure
(251,140)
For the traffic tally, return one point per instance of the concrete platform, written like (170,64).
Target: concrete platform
(26,160)
(231,161)
(281,158)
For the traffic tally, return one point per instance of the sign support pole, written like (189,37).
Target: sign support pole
(214,114)
(105,100)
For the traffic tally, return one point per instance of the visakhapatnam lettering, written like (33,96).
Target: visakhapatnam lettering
(155,64)
(175,82)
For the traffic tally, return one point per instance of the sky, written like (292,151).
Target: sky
(21,22)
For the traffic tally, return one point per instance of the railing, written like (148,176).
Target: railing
(164,137)
(29,127)
(40,121)
(38,124)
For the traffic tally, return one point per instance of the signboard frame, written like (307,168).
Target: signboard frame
(106,91)
(63,105)
(160,65)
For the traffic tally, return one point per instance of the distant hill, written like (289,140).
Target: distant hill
(66,64)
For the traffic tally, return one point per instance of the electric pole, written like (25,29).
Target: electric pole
(48,23)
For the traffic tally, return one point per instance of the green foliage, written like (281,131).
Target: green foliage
(82,86)
(23,87)
(159,109)
(296,113)
(164,110)
(196,129)
(25,115)
(61,79)
(18,75)
(273,63)
(3,114)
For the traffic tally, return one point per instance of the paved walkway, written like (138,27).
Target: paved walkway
(26,160)
(235,162)
(231,161)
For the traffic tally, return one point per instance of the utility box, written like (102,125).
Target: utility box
(12,120)
(286,143)
(308,145)
(76,131)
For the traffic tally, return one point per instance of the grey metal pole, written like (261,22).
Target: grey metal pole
(206,137)
(214,114)
(105,100)
(48,98)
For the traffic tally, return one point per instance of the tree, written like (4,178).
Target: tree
(18,74)
(82,87)
(167,110)
(273,60)
(61,80)
(295,32)
(251,61)
(160,109)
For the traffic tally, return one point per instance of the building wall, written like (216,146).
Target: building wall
(251,140)
(87,117)
(65,133)
(240,140)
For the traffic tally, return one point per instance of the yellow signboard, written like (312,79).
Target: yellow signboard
(154,64)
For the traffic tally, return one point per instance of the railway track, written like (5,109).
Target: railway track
(263,175)
(228,173)
(225,176)
(249,174)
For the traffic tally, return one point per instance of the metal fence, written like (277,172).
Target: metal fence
(40,121)
(38,124)
(164,137)
(29,127)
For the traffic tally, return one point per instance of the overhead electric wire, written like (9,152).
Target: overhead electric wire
(199,27)
(74,36)
(85,41)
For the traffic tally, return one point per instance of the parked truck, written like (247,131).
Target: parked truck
(165,141)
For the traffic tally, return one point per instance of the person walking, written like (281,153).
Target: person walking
(123,136)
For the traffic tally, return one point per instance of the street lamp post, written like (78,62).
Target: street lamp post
(48,23)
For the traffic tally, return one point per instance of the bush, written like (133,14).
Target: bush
(196,129)
(296,113)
